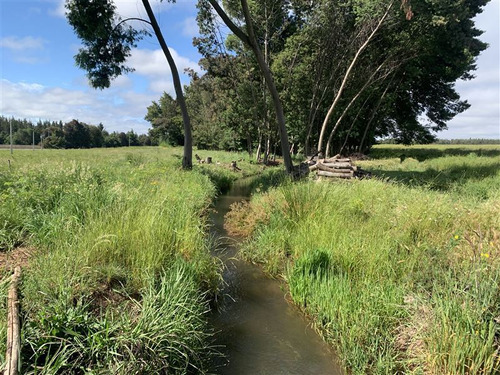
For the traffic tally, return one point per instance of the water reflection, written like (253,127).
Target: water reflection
(259,331)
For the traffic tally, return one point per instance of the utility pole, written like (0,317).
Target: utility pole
(10,123)
(33,138)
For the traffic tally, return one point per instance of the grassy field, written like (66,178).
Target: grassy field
(120,273)
(400,273)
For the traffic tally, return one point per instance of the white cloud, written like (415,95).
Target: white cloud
(30,87)
(162,85)
(153,64)
(22,43)
(190,27)
(124,8)
(59,10)
(118,110)
(122,81)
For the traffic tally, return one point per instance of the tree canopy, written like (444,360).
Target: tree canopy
(360,69)
(303,76)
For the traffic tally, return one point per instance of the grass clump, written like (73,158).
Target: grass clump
(164,332)
(397,278)
(122,272)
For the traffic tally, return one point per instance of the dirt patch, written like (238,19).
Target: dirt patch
(19,256)
(104,297)
(111,295)
(410,336)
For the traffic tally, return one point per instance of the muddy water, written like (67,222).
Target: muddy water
(258,331)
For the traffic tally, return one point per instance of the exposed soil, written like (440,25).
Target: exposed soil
(17,257)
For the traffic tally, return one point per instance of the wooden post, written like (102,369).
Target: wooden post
(10,123)
(13,328)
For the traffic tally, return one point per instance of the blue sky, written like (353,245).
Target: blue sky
(39,78)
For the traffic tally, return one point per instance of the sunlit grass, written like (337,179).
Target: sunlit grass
(122,269)
(397,274)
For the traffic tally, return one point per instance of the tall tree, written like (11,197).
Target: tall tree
(249,38)
(166,121)
(107,44)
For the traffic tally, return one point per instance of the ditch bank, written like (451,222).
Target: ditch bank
(256,329)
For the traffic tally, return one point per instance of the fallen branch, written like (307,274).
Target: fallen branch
(13,328)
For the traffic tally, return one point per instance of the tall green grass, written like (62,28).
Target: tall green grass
(122,267)
(398,278)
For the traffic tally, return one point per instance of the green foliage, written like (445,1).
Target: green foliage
(74,134)
(166,121)
(164,332)
(427,46)
(107,42)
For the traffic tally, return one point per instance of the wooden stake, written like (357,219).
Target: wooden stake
(13,328)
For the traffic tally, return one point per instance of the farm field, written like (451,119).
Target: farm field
(120,273)
(399,273)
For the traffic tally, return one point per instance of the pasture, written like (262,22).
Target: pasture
(119,273)
(399,273)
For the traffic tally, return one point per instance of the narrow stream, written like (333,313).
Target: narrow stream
(257,330)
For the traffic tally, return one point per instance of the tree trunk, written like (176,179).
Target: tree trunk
(346,76)
(187,160)
(280,116)
(360,148)
(267,150)
(259,148)
(251,41)
(367,83)
(249,144)
(352,125)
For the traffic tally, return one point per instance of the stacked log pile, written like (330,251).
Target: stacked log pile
(337,167)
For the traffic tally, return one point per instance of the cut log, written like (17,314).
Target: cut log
(13,331)
(314,167)
(338,160)
(333,174)
(323,167)
(338,165)
(209,160)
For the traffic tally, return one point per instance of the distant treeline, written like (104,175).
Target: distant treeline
(73,134)
(468,141)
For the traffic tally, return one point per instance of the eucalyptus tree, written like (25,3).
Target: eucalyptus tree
(107,43)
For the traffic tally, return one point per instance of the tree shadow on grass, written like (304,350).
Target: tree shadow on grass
(441,180)
(422,154)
